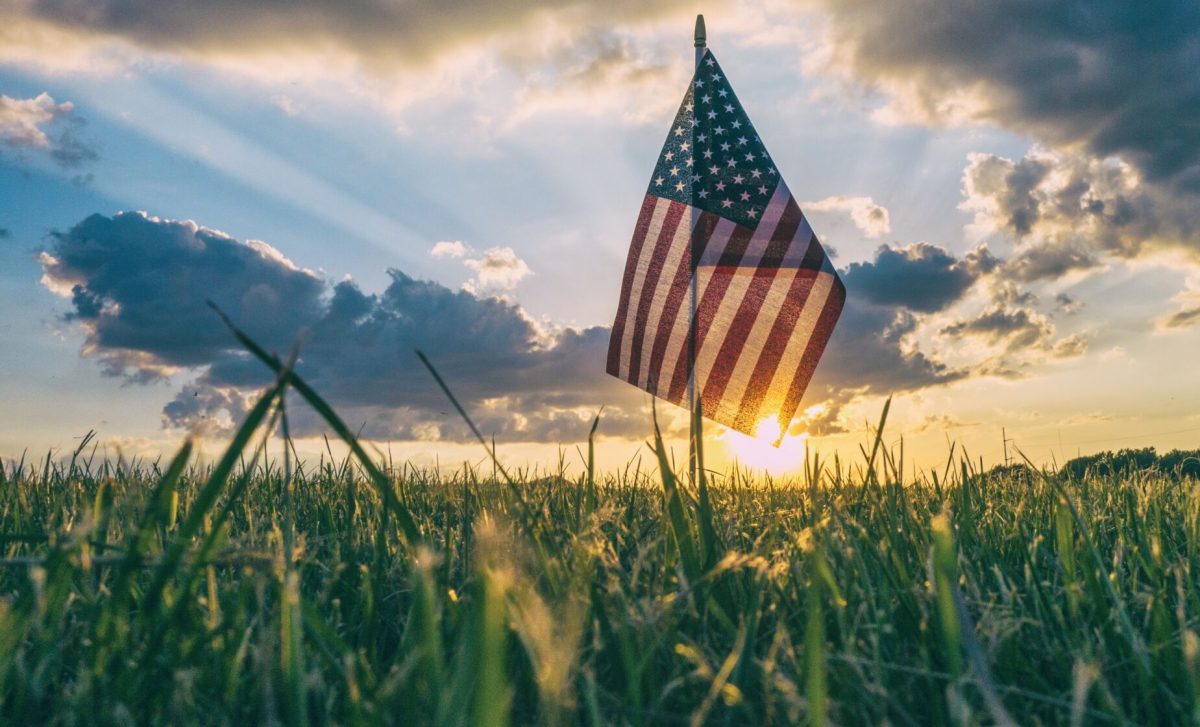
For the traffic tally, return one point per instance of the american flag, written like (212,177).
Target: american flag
(767,296)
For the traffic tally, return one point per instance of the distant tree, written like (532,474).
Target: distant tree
(1181,462)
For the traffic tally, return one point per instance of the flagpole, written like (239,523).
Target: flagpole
(695,430)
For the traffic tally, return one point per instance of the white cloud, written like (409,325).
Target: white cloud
(497,270)
(867,216)
(450,248)
(22,120)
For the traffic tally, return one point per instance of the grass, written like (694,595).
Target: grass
(260,589)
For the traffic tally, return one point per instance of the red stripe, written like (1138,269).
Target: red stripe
(747,314)
(776,343)
(678,292)
(706,309)
(635,252)
(812,354)
(650,289)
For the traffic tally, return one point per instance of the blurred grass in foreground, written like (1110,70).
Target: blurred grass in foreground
(262,590)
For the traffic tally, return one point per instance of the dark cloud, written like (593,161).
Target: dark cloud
(920,277)
(377,31)
(138,285)
(1067,213)
(1067,305)
(1017,328)
(1109,77)
(1183,319)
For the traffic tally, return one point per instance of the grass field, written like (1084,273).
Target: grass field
(255,590)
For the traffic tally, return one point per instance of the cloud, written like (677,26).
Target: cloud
(871,218)
(497,270)
(1070,347)
(1188,314)
(1017,328)
(1109,79)
(921,277)
(44,125)
(137,286)
(446,248)
(1067,305)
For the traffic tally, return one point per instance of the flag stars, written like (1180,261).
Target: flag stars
(714,169)
(755,173)
(762,189)
(715,77)
(684,146)
(708,153)
(702,138)
(736,124)
(752,214)
(703,194)
(749,156)
(678,131)
(742,140)
(722,93)
(705,98)
(738,179)
(720,186)
(724,146)
(669,155)
(745,196)
(709,62)
(731,164)
(719,130)
(688,163)
(679,187)
(712,114)
(658,181)
(729,108)
(725,203)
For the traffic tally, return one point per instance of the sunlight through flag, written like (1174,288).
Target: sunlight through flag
(766,296)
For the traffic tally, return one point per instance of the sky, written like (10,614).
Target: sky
(1009,191)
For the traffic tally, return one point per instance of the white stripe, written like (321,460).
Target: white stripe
(727,309)
(649,242)
(743,371)
(679,330)
(789,363)
(675,257)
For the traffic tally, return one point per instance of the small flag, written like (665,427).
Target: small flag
(767,296)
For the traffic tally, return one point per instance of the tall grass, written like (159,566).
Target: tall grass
(260,589)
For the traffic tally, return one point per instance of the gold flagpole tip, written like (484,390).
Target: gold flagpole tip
(701,36)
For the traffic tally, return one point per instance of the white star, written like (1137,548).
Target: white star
(719,130)
(771,171)
(715,77)
(752,213)
(721,93)
(684,146)
(736,124)
(726,203)
(714,169)
(724,146)
(695,177)
(703,194)
(674,171)
(709,62)
(688,163)
(720,186)
(706,98)
(689,107)
(745,196)
(712,114)
(749,156)
(729,108)
(658,181)
(678,131)
(702,137)
(694,122)
(755,173)
(669,155)
(731,163)
(679,187)
(762,189)
(741,140)
(708,153)
(699,83)
(738,179)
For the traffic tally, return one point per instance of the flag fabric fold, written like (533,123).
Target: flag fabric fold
(767,297)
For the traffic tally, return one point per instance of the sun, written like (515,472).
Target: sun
(760,453)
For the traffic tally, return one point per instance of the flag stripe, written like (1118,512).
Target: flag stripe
(673,280)
(673,235)
(755,308)
(762,354)
(649,204)
(814,342)
(650,240)
(673,322)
